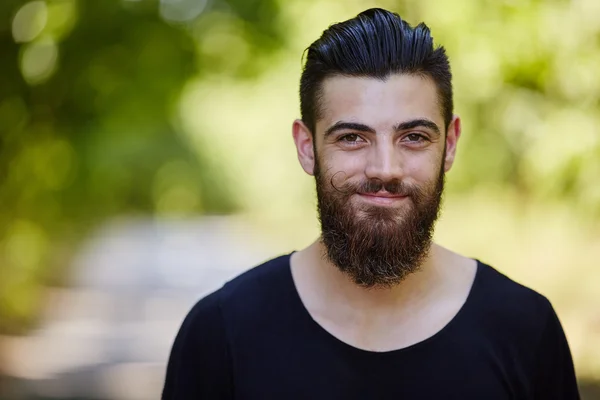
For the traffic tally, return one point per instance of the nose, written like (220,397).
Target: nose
(384,162)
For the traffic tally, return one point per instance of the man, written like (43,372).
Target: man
(373,309)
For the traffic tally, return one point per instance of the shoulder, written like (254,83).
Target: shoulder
(502,291)
(509,307)
(201,360)
(270,274)
(523,325)
(240,301)
(243,297)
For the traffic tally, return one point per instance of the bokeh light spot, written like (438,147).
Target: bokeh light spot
(29,21)
(39,61)
(62,16)
(181,10)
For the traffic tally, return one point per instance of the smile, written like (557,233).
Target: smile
(382,198)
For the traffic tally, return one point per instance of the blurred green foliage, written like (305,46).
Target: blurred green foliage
(526,84)
(91,123)
(88,125)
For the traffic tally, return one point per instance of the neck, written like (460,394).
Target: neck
(382,319)
(337,288)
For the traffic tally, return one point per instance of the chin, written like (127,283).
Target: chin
(381,213)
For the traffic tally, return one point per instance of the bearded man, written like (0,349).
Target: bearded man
(373,309)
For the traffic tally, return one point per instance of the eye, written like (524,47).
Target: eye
(351,138)
(415,138)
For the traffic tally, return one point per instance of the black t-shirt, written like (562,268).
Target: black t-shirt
(253,339)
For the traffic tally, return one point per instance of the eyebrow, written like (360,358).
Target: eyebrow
(420,122)
(340,125)
(402,126)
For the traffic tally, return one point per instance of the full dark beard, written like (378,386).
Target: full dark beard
(377,246)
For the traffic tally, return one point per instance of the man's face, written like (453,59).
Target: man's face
(380,154)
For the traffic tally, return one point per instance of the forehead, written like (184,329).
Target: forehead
(379,103)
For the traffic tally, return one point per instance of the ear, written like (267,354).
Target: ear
(452,136)
(303,139)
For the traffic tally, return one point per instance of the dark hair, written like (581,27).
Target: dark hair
(376,43)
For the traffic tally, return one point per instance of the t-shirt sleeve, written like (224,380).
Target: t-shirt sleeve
(555,375)
(199,366)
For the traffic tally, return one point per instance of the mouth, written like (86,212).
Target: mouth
(382,198)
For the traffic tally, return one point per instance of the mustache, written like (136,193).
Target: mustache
(374,185)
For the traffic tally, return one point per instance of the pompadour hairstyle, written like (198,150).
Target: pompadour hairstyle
(376,43)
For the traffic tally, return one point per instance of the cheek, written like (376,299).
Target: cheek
(344,163)
(423,169)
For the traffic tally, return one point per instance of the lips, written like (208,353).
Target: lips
(385,195)
(382,198)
